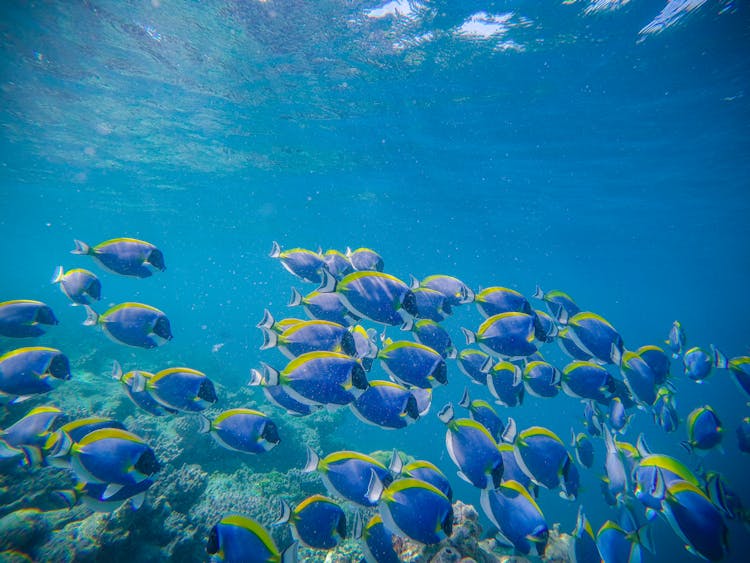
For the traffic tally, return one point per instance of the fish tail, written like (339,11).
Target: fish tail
(313,460)
(81,247)
(116,370)
(296,298)
(270,338)
(267,321)
(720,360)
(92,317)
(205,424)
(471,338)
(256,378)
(538,293)
(275,250)
(58,275)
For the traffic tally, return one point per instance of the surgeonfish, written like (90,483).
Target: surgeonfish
(545,327)
(377,542)
(517,516)
(431,334)
(390,405)
(472,449)
(697,363)
(739,367)
(242,430)
(639,378)
(78,285)
(310,336)
(506,335)
(595,336)
(587,380)
(365,259)
(124,256)
(542,455)
(696,520)
(425,303)
(617,545)
(658,360)
(456,291)
(323,306)
(304,264)
(375,296)
(584,449)
(180,388)
(57,448)
(497,300)
(616,480)
(410,363)
(592,418)
(569,347)
(557,300)
(318,378)
(541,379)
(25,318)
(429,473)
(278,395)
(484,414)
(676,339)
(505,382)
(112,456)
(347,474)
(239,539)
(141,397)
(337,263)
(32,429)
(413,509)
(31,371)
(583,548)
(665,410)
(317,522)
(743,435)
(704,429)
(475,364)
(95,495)
(618,418)
(132,324)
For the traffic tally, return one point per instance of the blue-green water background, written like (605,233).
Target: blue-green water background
(612,168)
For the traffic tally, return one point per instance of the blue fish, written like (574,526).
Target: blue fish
(618,545)
(618,418)
(541,454)
(587,380)
(512,471)
(310,336)
(413,509)
(665,410)
(179,389)
(505,382)
(698,364)
(676,339)
(25,318)
(365,259)
(317,522)
(569,347)
(31,371)
(653,474)
(278,395)
(390,405)
(32,429)
(112,456)
(304,264)
(583,548)
(141,398)
(517,517)
(318,378)
(410,363)
(425,303)
(617,475)
(584,449)
(704,429)
(429,473)
(242,430)
(132,324)
(79,285)
(337,263)
(658,360)
(456,291)
(497,300)
(473,449)
(696,520)
(375,296)
(639,378)
(94,495)
(484,414)
(378,542)
(324,307)
(541,379)
(475,364)
(124,256)
(595,336)
(545,328)
(556,301)
(592,418)
(347,474)
(432,335)
(239,539)
(57,449)
(739,367)
(508,335)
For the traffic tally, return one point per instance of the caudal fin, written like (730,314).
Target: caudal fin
(81,247)
(58,275)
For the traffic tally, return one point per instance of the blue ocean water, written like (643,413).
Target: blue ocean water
(509,143)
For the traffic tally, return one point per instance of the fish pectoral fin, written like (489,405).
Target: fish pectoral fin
(111,490)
